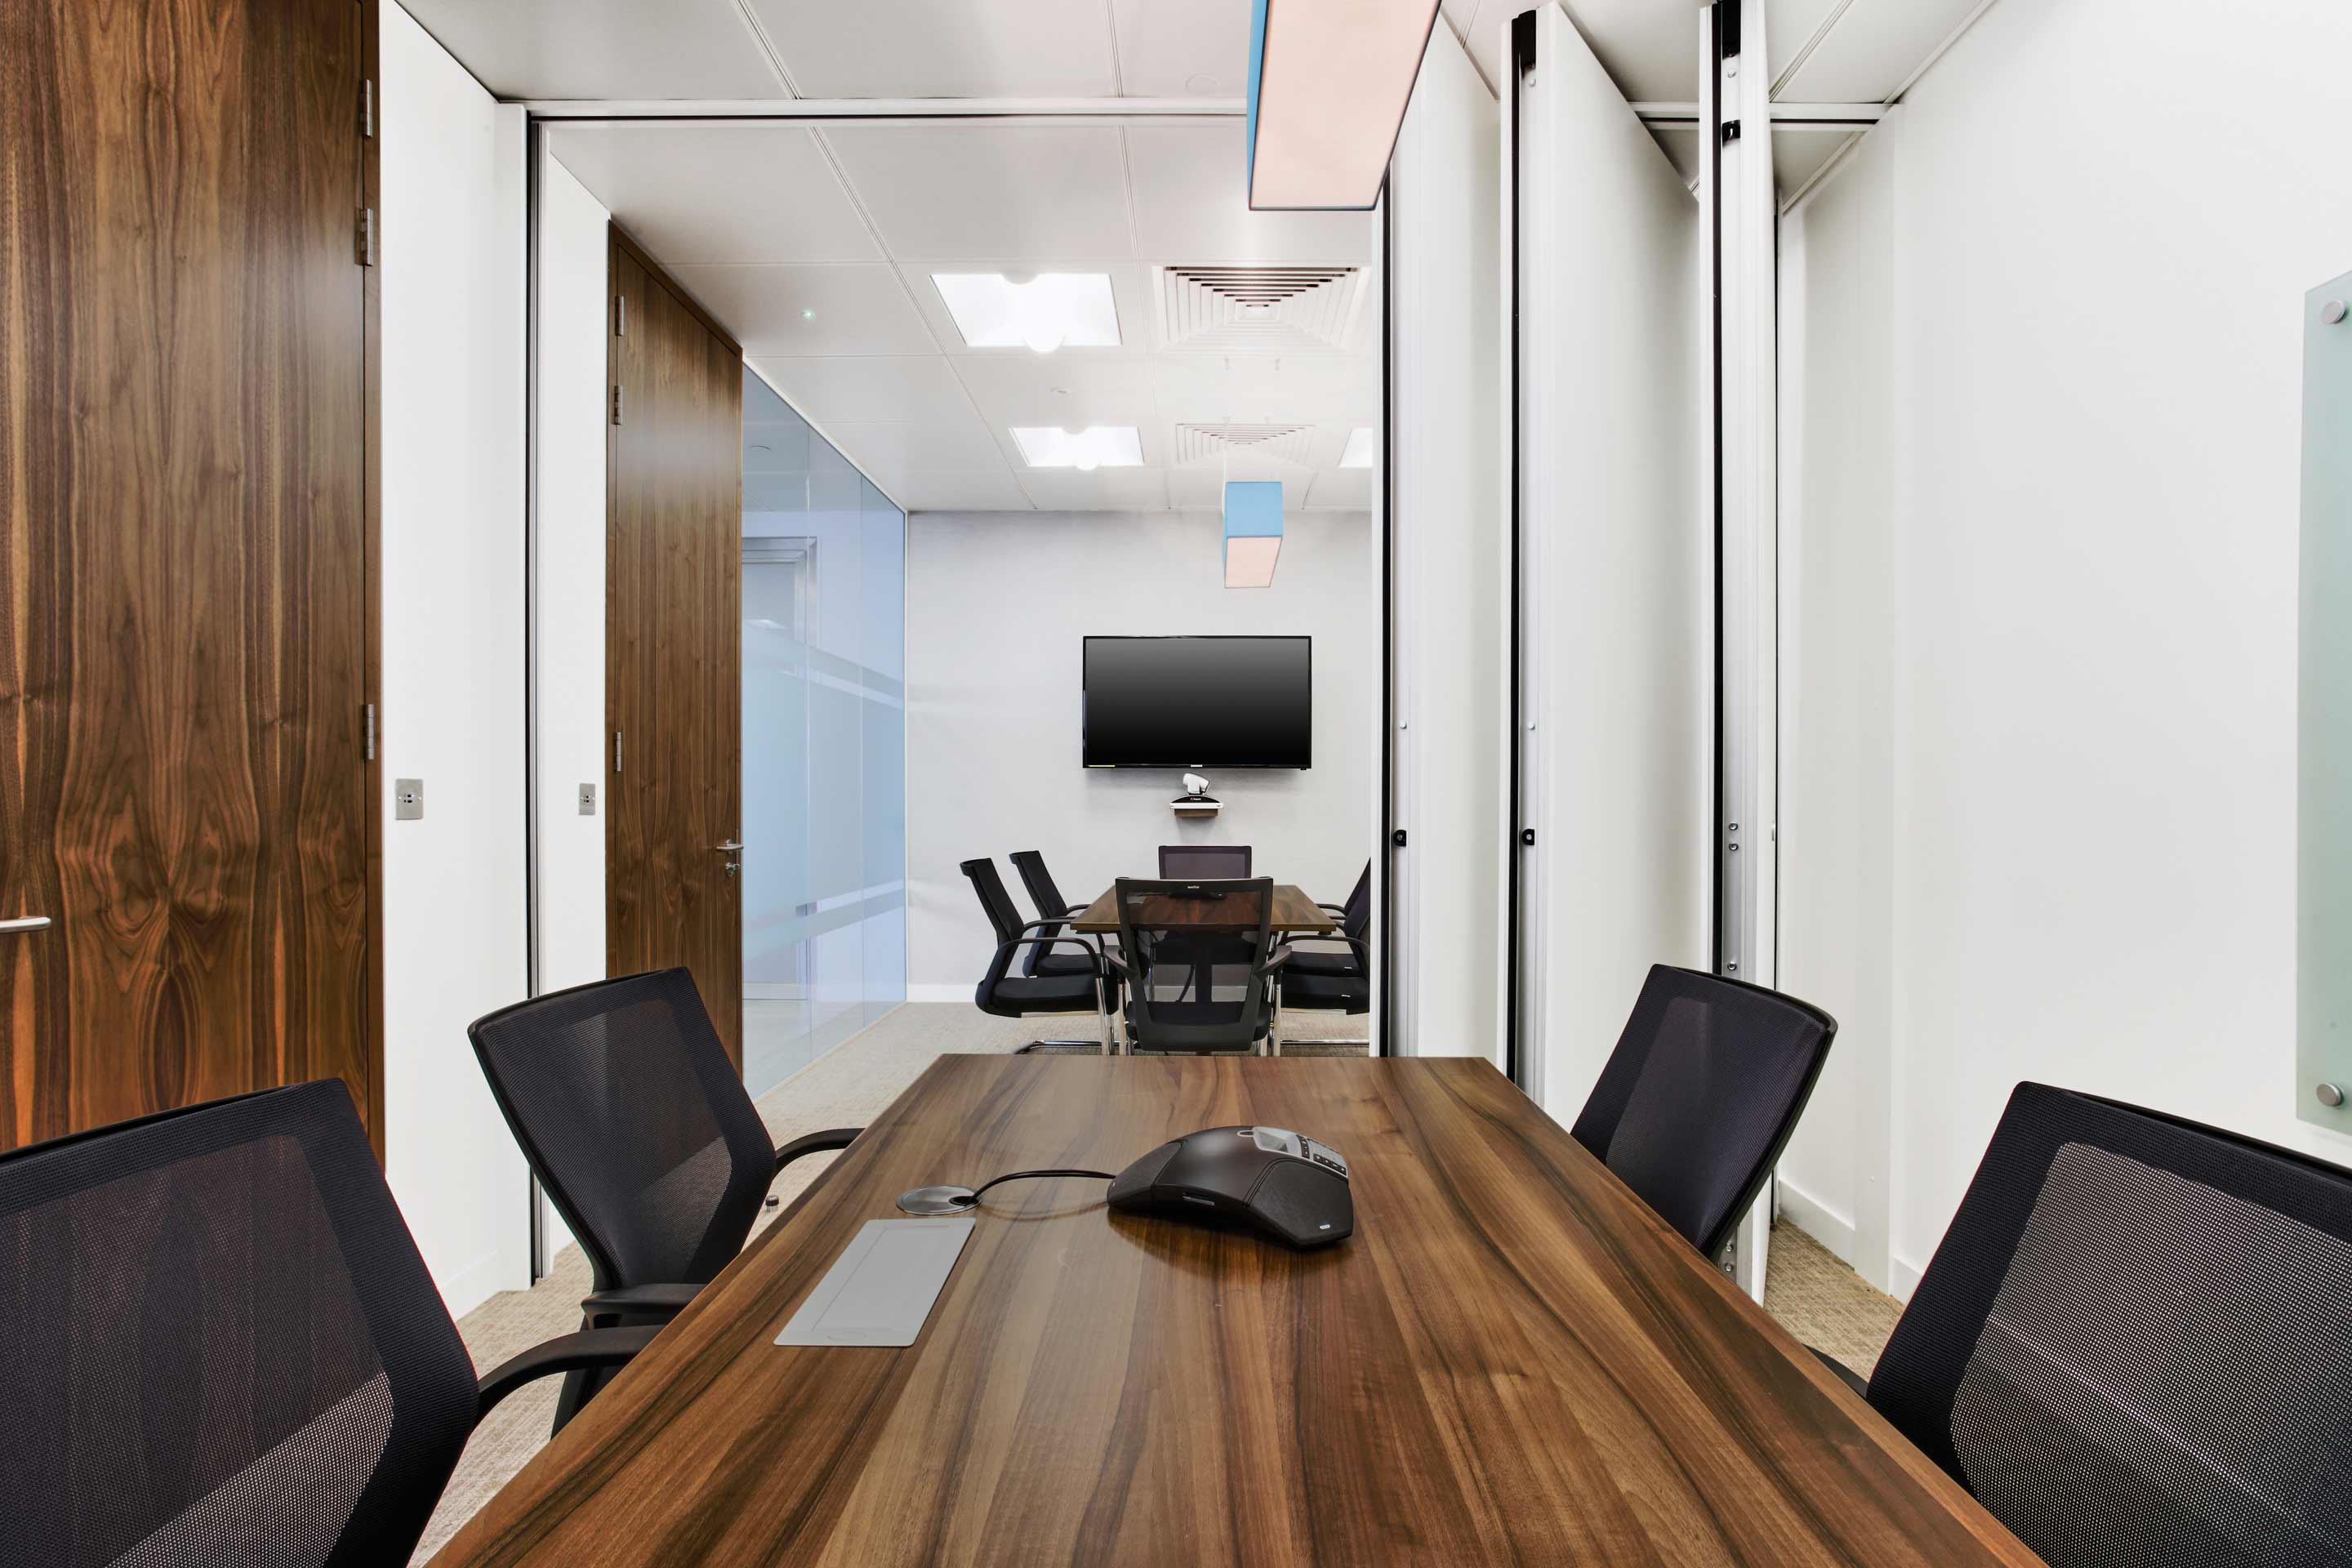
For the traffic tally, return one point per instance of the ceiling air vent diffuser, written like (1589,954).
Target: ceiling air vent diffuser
(1292,444)
(1265,310)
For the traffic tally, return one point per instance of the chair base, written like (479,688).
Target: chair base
(1095,1046)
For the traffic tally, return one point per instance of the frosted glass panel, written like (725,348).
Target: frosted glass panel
(2324,969)
(824,745)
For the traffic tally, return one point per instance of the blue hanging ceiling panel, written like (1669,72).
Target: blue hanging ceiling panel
(1329,82)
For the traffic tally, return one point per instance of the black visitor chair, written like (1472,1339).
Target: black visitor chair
(2125,1345)
(1198,963)
(223,1347)
(639,1128)
(1701,1094)
(1076,981)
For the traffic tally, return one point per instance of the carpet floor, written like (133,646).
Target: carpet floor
(1818,1299)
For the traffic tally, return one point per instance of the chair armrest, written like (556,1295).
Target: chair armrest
(816,1142)
(667,1300)
(1115,959)
(566,1353)
(1333,909)
(1005,950)
(1281,956)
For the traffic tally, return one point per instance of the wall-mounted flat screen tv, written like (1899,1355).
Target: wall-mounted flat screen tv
(1199,702)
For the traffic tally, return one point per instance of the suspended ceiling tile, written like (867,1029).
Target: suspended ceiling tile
(984,490)
(912,390)
(1649,47)
(604,49)
(1874,49)
(1789,26)
(924,48)
(1069,390)
(1341,489)
(718,193)
(892,454)
(1192,203)
(806,311)
(1104,490)
(1027,193)
(1183,49)
(1799,152)
(1295,388)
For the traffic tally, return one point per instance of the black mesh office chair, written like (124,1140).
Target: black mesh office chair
(640,1130)
(1053,910)
(1220,861)
(1355,917)
(1701,1094)
(2127,1345)
(223,1348)
(1079,983)
(1198,960)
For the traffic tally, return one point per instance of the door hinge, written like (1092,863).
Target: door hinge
(1397,839)
(366,237)
(618,407)
(620,315)
(367,109)
(616,751)
(368,735)
(1731,130)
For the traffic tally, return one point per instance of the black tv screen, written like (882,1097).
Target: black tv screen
(1199,702)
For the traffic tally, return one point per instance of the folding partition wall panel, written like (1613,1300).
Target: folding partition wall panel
(1614,562)
(673,683)
(188,907)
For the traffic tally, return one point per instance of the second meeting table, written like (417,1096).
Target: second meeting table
(1295,913)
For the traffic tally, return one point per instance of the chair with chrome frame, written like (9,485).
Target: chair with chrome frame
(1076,980)
(1053,910)
(1319,979)
(635,1120)
(1198,964)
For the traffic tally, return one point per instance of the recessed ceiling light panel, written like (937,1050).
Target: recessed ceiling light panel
(1359,453)
(1041,311)
(1095,447)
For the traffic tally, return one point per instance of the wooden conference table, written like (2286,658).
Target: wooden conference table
(1295,913)
(1511,1360)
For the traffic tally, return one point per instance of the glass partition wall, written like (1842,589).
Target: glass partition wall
(824,744)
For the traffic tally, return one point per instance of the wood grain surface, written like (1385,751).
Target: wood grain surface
(1512,1361)
(1295,913)
(673,642)
(187,618)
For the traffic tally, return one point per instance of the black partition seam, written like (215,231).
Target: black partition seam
(1523,51)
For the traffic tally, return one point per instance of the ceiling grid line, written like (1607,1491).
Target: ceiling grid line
(1797,60)
(767,47)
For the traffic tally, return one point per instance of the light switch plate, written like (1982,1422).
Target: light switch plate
(408,800)
(587,800)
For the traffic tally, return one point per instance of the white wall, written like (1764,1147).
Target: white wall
(569,559)
(997,605)
(452,702)
(1451,615)
(2040,581)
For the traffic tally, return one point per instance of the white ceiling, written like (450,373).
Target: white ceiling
(765,221)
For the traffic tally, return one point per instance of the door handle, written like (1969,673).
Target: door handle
(25,922)
(728,847)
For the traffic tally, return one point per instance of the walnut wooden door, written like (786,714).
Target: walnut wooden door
(673,677)
(185,518)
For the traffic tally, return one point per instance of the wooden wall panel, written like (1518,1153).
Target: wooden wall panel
(186,615)
(673,636)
